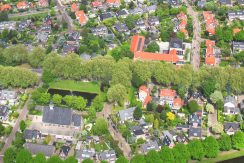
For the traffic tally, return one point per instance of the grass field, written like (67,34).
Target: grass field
(89,87)
(223,156)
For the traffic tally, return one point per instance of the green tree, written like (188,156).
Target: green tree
(68,99)
(36,57)
(39,158)
(210,108)
(9,155)
(216,96)
(138,158)
(54,159)
(44,98)
(192,106)
(130,21)
(117,93)
(2,128)
(23,156)
(71,159)
(152,157)
(196,149)
(57,99)
(225,142)
(22,125)
(156,124)
(208,87)
(152,47)
(97,102)
(217,128)
(239,56)
(100,127)
(181,153)
(137,113)
(19,140)
(122,159)
(166,155)
(239,36)
(211,147)
(141,73)
(238,140)
(79,103)
(92,113)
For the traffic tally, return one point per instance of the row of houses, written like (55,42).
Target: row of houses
(23,5)
(210,22)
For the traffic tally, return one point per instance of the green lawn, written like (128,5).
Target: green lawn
(89,87)
(223,156)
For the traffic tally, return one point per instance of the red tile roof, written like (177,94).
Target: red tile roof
(137,41)
(43,3)
(144,89)
(6,7)
(96,4)
(22,5)
(148,99)
(113,1)
(210,22)
(178,102)
(74,7)
(209,56)
(80,15)
(236,30)
(167,93)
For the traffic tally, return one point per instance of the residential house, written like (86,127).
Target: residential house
(24,24)
(201,3)
(99,31)
(106,15)
(210,58)
(240,2)
(237,46)
(182,17)
(126,114)
(181,138)
(177,104)
(153,21)
(9,25)
(109,156)
(144,95)
(81,17)
(4,111)
(167,139)
(195,120)
(150,145)
(47,20)
(42,3)
(138,132)
(64,151)
(74,7)
(236,15)
(22,5)
(113,3)
(5,7)
(42,37)
(8,97)
(45,28)
(231,127)
(167,97)
(122,28)
(97,5)
(70,47)
(174,3)
(47,150)
(85,154)
(151,9)
(73,36)
(122,13)
(195,133)
(32,135)
(225,3)
(183,128)
(137,11)
(140,24)
(210,22)
(177,45)
(230,106)
(195,125)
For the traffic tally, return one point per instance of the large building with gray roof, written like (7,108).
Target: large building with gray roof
(126,114)
(47,150)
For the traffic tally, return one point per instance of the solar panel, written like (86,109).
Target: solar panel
(139,44)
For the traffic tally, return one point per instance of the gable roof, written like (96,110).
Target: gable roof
(195,132)
(96,3)
(47,150)
(137,43)
(22,4)
(3,111)
(85,153)
(231,126)
(124,114)
(150,145)
(167,93)
(107,155)
(31,134)
(6,7)
(74,7)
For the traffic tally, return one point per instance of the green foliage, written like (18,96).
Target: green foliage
(192,106)
(152,47)
(9,155)
(166,155)
(181,153)
(91,44)
(152,157)
(216,96)
(138,158)
(224,34)
(225,142)
(196,149)
(23,156)
(22,125)
(54,159)
(211,147)
(41,98)
(19,140)
(239,56)
(1,129)
(122,159)
(57,99)
(239,36)
(238,140)
(121,52)
(87,161)
(71,159)
(117,93)
(39,158)
(137,113)
(76,102)
(101,127)
(98,101)
(130,21)
(3,16)
(36,57)
(208,87)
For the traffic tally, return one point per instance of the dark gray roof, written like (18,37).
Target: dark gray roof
(32,134)
(121,27)
(176,43)
(194,118)
(122,12)
(225,2)
(73,36)
(60,116)
(126,113)
(240,2)
(65,150)
(174,2)
(107,15)
(47,150)
(234,126)
(238,45)
(150,145)
(167,141)
(85,153)
(195,132)
(137,130)
(236,13)
(3,111)
(137,10)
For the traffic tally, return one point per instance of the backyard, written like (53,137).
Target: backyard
(70,85)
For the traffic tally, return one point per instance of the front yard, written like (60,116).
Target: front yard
(89,87)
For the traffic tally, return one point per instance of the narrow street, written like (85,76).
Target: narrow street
(196,41)
(65,15)
(123,145)
(22,116)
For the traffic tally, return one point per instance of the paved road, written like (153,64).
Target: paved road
(196,41)
(65,15)
(11,137)
(123,145)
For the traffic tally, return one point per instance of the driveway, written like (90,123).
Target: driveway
(196,41)
(123,145)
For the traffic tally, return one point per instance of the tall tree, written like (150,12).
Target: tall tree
(39,158)
(36,57)
(23,156)
(57,99)
(100,127)
(193,106)
(117,93)
(181,153)
(211,147)
(225,142)
(166,155)
(71,159)
(138,158)
(122,159)
(137,113)
(196,149)
(238,140)
(216,96)
(10,155)
(152,157)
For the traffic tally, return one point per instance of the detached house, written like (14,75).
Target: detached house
(74,7)
(168,139)
(122,13)
(148,146)
(144,95)
(140,24)
(32,135)
(237,46)
(113,3)
(126,114)
(109,156)
(122,28)
(210,21)
(231,127)
(22,5)
(210,58)
(85,154)
(236,15)
(153,21)
(195,126)
(5,7)
(138,132)
(4,111)
(42,3)
(8,97)
(81,17)
(230,106)
(167,97)
(47,150)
